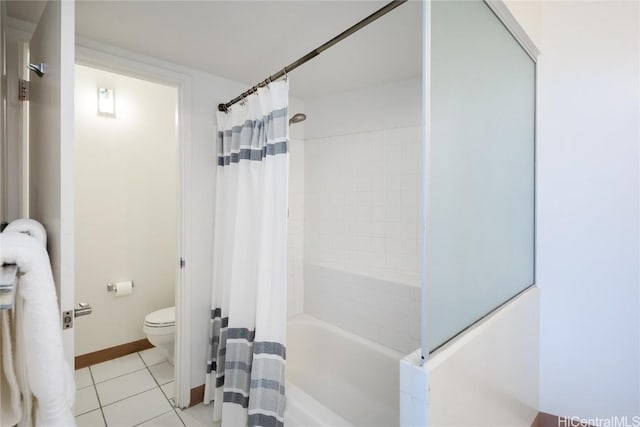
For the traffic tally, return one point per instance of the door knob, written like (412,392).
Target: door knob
(83,310)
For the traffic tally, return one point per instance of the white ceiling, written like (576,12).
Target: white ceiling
(246,41)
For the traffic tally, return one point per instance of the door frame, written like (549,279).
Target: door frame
(119,61)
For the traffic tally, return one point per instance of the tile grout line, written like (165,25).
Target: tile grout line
(125,398)
(173,408)
(157,384)
(136,394)
(176,412)
(95,389)
(151,419)
(87,386)
(122,375)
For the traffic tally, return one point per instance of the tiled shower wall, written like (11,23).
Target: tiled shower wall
(295,258)
(361,246)
(362,195)
(362,192)
(380,310)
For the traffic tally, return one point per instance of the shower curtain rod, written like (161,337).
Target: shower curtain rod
(317,51)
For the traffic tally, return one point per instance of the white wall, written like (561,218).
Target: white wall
(588,115)
(529,15)
(126,205)
(393,105)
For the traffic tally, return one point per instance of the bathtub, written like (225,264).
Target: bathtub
(338,379)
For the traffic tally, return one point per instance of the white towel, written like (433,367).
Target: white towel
(48,375)
(29,226)
(21,367)
(9,389)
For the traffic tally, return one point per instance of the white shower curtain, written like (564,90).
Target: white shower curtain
(246,362)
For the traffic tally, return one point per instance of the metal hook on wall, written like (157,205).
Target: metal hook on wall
(39,69)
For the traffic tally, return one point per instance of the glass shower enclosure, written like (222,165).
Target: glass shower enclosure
(479,168)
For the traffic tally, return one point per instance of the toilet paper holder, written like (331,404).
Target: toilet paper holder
(111,287)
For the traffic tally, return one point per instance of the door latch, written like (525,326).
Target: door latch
(23,90)
(67,319)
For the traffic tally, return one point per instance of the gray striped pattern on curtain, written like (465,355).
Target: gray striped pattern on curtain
(218,325)
(250,373)
(246,142)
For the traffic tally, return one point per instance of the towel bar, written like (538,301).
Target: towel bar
(8,282)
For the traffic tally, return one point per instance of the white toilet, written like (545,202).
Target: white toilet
(159,326)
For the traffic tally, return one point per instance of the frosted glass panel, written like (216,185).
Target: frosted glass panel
(480,168)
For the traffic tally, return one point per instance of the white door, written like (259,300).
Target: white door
(51,146)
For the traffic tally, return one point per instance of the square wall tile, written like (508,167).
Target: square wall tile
(361,215)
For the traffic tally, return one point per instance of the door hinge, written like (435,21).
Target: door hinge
(23,90)
(182,262)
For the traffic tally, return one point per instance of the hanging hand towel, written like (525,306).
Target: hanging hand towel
(48,375)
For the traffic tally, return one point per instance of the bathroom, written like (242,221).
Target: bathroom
(126,151)
(354,213)
(130,129)
(406,240)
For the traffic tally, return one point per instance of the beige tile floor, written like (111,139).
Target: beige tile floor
(133,390)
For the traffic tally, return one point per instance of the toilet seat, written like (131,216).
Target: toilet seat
(161,319)
(159,327)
